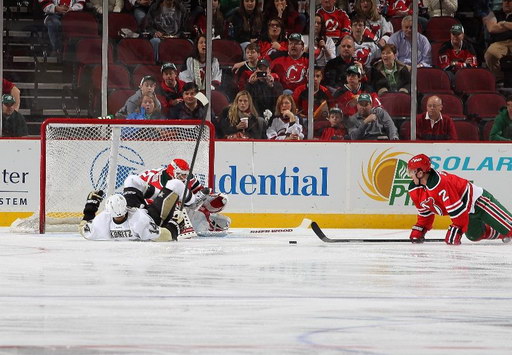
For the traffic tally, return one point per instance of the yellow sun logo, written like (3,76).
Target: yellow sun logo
(381,171)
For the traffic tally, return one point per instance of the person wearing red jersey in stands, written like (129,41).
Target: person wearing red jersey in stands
(170,87)
(291,66)
(337,22)
(321,94)
(457,53)
(336,130)
(346,96)
(473,210)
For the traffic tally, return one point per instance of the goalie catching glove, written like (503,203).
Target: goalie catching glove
(93,204)
(418,234)
(453,235)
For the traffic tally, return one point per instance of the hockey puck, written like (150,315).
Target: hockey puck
(292,242)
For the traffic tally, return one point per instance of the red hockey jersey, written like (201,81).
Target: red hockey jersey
(292,72)
(337,23)
(158,179)
(451,59)
(444,194)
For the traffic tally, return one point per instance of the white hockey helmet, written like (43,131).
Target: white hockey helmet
(116,205)
(178,169)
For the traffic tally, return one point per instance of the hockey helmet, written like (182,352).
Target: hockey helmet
(116,205)
(419,162)
(178,169)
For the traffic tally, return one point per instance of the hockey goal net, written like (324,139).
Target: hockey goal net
(78,156)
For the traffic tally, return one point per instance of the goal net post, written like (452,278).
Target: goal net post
(78,156)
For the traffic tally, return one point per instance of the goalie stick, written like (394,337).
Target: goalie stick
(258,232)
(320,234)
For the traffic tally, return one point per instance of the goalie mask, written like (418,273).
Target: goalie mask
(116,205)
(178,169)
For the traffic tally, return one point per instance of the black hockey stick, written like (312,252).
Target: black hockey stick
(320,234)
(187,191)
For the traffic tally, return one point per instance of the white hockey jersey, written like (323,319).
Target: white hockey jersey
(138,226)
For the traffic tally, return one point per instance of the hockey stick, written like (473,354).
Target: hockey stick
(257,232)
(320,234)
(204,100)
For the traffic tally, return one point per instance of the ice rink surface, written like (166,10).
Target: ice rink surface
(242,294)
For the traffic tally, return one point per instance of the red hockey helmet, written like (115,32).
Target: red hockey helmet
(178,169)
(419,162)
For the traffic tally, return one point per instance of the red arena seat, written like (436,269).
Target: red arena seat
(433,80)
(134,51)
(452,105)
(474,80)
(467,131)
(397,104)
(486,105)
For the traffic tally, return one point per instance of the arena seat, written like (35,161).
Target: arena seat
(119,20)
(118,77)
(452,105)
(79,24)
(485,105)
(228,52)
(434,53)
(438,28)
(467,131)
(134,51)
(433,80)
(219,102)
(474,80)
(116,100)
(486,130)
(175,50)
(397,104)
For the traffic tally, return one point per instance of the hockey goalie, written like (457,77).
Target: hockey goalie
(203,215)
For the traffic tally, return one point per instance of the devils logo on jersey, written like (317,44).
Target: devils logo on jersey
(430,205)
(295,74)
(331,25)
(363,55)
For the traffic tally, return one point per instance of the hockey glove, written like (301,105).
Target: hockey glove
(92,204)
(418,234)
(453,235)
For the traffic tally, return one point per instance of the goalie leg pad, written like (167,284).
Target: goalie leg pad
(162,208)
(219,223)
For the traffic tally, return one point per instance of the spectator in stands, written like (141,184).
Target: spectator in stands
(273,39)
(286,123)
(147,109)
(502,128)
(244,72)
(441,7)
(140,10)
(336,129)
(229,6)
(147,86)
(337,23)
(9,88)
(190,108)
(346,97)
(246,22)
(377,24)
(54,11)
(335,70)
(170,87)
(219,25)
(113,6)
(264,87)
(389,74)
(499,25)
(325,49)
(370,123)
(366,50)
(321,94)
(291,66)
(403,43)
(165,19)
(457,53)
(398,8)
(196,66)
(285,10)
(432,125)
(13,122)
(240,120)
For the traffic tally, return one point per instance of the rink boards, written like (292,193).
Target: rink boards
(276,184)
